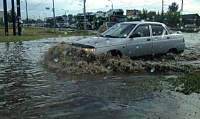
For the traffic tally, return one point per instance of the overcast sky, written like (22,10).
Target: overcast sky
(36,8)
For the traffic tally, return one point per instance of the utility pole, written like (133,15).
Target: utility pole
(13,17)
(39,16)
(84,11)
(5,17)
(162,19)
(19,18)
(182,6)
(65,11)
(112,3)
(181,13)
(54,16)
(26,11)
(65,14)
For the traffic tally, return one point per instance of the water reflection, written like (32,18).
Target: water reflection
(28,90)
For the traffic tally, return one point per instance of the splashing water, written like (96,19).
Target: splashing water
(81,62)
(56,60)
(152,69)
(64,52)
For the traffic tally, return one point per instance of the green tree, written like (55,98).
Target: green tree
(173,7)
(10,16)
(158,17)
(70,17)
(172,16)
(151,16)
(143,15)
(148,16)
(139,16)
(130,19)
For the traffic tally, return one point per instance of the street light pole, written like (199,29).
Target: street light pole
(54,16)
(19,18)
(84,11)
(26,11)
(13,17)
(112,3)
(65,11)
(182,6)
(65,15)
(162,12)
(45,17)
(181,13)
(39,16)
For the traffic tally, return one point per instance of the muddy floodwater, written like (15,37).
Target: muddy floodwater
(28,89)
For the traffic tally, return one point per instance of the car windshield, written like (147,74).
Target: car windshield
(119,31)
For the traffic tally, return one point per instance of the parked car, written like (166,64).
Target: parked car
(90,13)
(135,39)
(66,26)
(73,26)
(115,12)
(100,14)
(190,26)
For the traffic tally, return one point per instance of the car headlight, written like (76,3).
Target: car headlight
(89,50)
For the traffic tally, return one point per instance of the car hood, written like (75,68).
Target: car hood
(98,42)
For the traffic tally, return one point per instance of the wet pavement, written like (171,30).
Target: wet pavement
(29,90)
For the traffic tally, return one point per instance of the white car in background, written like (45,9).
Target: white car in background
(101,14)
(115,12)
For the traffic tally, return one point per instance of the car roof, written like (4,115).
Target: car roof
(142,22)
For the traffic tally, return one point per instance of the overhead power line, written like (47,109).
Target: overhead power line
(41,4)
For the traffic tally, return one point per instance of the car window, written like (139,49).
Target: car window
(169,31)
(141,31)
(158,30)
(119,30)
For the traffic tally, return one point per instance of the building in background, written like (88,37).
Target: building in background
(132,14)
(191,20)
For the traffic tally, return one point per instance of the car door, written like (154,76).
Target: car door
(140,42)
(161,39)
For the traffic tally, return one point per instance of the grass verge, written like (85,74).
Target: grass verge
(187,84)
(32,33)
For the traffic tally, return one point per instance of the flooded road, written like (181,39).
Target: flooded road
(28,90)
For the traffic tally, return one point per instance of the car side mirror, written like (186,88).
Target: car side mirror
(178,32)
(135,35)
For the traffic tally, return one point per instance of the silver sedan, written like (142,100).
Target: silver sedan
(135,39)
